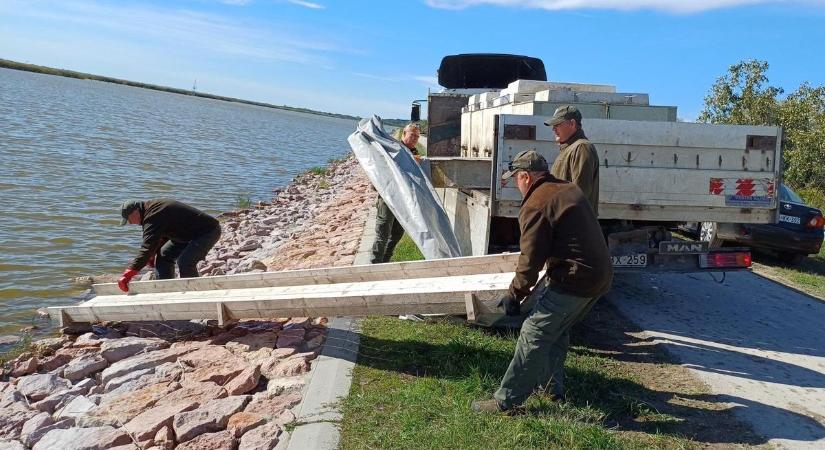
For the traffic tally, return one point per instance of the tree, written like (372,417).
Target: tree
(743,96)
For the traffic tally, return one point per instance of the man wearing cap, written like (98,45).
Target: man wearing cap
(388,232)
(559,232)
(173,231)
(578,160)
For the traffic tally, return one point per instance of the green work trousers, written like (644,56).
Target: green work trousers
(541,348)
(387,233)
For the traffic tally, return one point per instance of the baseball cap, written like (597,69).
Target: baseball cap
(563,113)
(528,160)
(126,208)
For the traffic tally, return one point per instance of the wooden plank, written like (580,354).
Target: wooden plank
(437,295)
(406,270)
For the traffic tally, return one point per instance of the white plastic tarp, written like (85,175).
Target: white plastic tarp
(401,182)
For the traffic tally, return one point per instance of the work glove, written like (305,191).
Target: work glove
(123,281)
(512,307)
(151,262)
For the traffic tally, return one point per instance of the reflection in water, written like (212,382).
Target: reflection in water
(73,150)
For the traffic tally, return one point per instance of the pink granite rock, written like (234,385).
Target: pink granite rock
(114,350)
(83,438)
(264,437)
(242,422)
(289,367)
(199,393)
(291,338)
(33,436)
(50,363)
(82,367)
(125,407)
(25,367)
(146,425)
(164,439)
(244,381)
(210,417)
(222,440)
(252,342)
(271,406)
(39,386)
(219,373)
(87,340)
(143,361)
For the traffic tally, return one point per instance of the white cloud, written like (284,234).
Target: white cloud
(182,29)
(674,6)
(306,4)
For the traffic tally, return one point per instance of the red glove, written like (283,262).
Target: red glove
(151,262)
(123,281)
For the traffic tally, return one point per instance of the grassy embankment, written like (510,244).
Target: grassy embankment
(414,382)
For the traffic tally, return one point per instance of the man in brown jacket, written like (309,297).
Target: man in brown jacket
(559,231)
(578,161)
(174,231)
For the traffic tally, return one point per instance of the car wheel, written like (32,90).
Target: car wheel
(707,233)
(792,258)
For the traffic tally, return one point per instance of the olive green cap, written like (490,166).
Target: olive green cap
(126,208)
(563,113)
(528,160)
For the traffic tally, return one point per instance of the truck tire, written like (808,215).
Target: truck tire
(707,233)
(792,258)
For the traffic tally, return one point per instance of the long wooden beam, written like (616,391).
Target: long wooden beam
(438,295)
(347,274)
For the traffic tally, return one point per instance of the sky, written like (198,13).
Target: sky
(375,57)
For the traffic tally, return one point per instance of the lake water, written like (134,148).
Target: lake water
(72,150)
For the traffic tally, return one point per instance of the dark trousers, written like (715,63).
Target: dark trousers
(387,233)
(186,254)
(541,349)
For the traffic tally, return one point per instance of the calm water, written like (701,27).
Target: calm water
(72,150)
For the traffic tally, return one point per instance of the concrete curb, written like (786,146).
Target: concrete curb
(331,375)
(329,381)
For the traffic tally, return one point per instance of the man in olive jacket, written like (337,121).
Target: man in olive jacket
(559,231)
(173,231)
(578,161)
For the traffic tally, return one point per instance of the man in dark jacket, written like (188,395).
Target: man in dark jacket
(174,232)
(578,161)
(559,231)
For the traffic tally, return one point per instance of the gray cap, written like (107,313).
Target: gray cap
(126,208)
(527,160)
(563,113)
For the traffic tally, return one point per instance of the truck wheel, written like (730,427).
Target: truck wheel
(792,258)
(707,233)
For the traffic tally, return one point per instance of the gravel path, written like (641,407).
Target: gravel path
(757,344)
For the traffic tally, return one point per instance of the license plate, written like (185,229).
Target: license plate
(790,219)
(639,260)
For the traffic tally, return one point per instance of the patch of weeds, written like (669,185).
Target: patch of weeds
(323,184)
(320,171)
(242,201)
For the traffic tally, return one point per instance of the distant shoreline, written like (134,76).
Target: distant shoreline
(14,65)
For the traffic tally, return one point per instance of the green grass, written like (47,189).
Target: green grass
(808,275)
(320,171)
(406,250)
(414,383)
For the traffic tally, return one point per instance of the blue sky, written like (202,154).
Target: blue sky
(364,57)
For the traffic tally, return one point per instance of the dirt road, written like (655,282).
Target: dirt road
(759,346)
